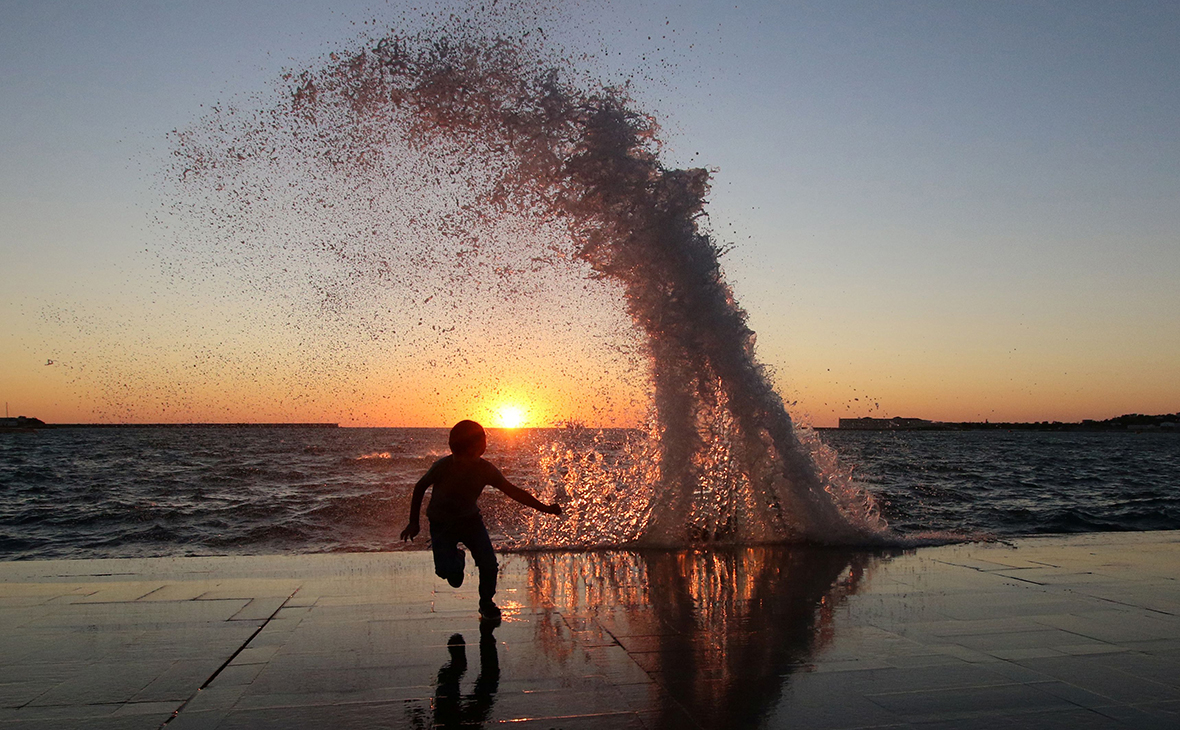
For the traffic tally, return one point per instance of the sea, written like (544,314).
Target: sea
(179,491)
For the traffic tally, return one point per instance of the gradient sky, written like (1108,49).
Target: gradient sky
(957,211)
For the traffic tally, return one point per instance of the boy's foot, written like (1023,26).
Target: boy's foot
(489,611)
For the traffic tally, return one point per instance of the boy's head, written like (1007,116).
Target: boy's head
(468,437)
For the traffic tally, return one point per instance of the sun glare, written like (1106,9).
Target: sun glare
(510,415)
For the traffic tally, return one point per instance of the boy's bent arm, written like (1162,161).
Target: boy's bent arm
(523,496)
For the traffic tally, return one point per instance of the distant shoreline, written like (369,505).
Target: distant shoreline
(1065,427)
(189,425)
(1135,422)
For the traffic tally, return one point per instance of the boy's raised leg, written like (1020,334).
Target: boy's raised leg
(449,560)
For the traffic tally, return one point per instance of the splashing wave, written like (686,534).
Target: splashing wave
(468,132)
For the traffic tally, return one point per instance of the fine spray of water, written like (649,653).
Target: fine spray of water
(502,132)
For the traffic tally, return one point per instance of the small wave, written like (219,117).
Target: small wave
(375,455)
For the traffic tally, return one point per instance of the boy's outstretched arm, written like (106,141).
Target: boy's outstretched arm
(524,497)
(412,528)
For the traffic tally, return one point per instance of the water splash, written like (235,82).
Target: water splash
(460,150)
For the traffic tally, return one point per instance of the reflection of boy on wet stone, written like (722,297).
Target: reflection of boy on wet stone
(454,517)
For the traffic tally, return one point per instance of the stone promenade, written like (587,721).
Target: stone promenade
(1056,632)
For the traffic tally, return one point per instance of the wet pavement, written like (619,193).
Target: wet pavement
(1077,632)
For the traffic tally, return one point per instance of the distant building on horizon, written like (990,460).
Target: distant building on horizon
(20,423)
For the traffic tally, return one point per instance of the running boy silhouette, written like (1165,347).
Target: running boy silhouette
(454,517)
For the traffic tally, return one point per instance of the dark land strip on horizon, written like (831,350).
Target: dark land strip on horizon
(1166,423)
(31,423)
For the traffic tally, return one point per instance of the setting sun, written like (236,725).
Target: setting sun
(510,415)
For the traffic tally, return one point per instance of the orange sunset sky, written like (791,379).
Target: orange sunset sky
(948,211)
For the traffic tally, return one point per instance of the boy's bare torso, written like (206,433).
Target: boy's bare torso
(457,484)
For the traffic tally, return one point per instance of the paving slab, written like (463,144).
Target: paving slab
(1070,632)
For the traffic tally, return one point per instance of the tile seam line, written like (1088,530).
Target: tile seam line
(1117,602)
(1052,587)
(659,684)
(154,590)
(227,662)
